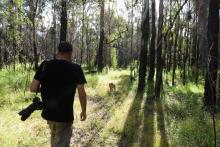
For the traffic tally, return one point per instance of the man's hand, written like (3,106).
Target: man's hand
(83,116)
(83,101)
(35,86)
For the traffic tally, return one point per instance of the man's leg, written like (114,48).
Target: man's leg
(60,134)
(52,132)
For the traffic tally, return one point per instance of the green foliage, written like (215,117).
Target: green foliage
(93,79)
(187,123)
(195,132)
(34,131)
(13,86)
(15,16)
(112,118)
(114,58)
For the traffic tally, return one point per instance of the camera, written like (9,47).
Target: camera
(37,104)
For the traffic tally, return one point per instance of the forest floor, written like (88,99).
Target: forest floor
(114,119)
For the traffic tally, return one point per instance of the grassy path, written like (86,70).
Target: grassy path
(118,120)
(122,120)
(113,120)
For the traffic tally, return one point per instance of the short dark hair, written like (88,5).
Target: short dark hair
(65,47)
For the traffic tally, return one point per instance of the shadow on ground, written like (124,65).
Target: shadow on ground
(140,127)
(102,115)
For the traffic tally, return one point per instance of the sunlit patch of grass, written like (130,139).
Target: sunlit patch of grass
(17,133)
(14,97)
(98,94)
(98,84)
(13,86)
(112,117)
(34,131)
(116,124)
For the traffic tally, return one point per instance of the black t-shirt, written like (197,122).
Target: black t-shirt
(59,79)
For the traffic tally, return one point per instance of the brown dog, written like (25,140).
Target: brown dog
(112,87)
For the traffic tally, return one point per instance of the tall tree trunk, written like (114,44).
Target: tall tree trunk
(33,15)
(99,57)
(170,38)
(194,43)
(88,41)
(14,47)
(54,31)
(212,69)
(196,69)
(160,61)
(131,45)
(63,21)
(83,26)
(203,6)
(175,53)
(195,52)
(109,49)
(210,95)
(144,48)
(152,47)
(185,56)
(170,45)
(34,45)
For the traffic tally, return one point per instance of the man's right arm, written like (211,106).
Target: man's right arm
(83,100)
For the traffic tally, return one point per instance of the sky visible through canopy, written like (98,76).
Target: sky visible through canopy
(120,8)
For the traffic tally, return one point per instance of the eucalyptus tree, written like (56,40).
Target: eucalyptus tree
(144,48)
(14,16)
(186,41)
(203,6)
(63,21)
(213,59)
(153,39)
(210,94)
(83,32)
(175,51)
(99,57)
(34,10)
(159,66)
(132,36)
(54,32)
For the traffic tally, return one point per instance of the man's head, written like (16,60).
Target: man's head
(65,50)
(65,47)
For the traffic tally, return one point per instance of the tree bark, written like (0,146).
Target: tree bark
(212,69)
(35,46)
(144,48)
(160,61)
(174,54)
(152,47)
(33,14)
(83,26)
(99,56)
(88,43)
(63,21)
(54,32)
(203,6)
(131,43)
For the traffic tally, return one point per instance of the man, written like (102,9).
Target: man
(57,81)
